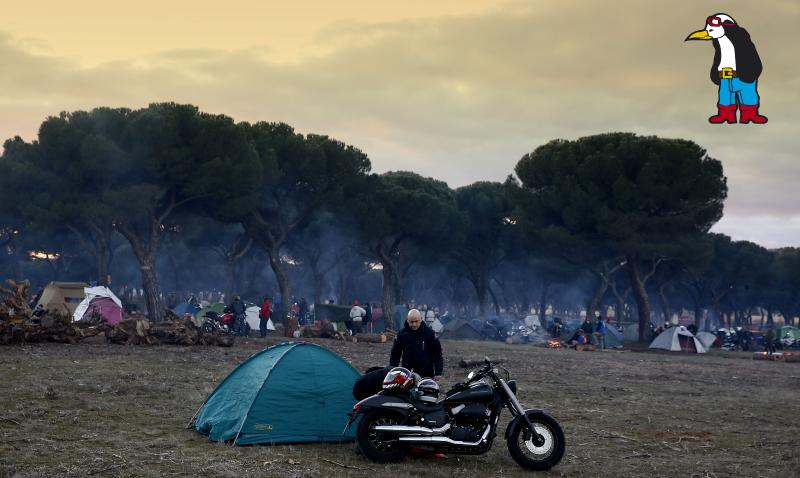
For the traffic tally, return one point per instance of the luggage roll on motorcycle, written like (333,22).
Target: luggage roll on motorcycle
(407,412)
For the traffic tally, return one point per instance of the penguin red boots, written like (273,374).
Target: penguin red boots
(750,113)
(727,114)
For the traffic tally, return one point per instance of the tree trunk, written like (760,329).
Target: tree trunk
(543,302)
(389,296)
(318,279)
(480,283)
(494,299)
(600,291)
(664,304)
(152,298)
(103,258)
(283,285)
(230,276)
(640,295)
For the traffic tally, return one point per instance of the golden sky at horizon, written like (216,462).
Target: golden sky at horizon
(93,31)
(456,90)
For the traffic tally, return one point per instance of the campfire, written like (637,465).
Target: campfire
(554,344)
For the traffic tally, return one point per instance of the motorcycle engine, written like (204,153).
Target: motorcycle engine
(469,421)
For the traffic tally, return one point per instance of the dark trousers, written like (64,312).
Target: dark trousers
(262,326)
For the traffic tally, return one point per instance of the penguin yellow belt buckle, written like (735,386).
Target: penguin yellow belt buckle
(726,73)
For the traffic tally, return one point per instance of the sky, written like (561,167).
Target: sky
(455,90)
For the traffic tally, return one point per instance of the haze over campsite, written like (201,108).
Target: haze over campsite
(484,238)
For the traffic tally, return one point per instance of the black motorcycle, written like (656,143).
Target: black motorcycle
(465,422)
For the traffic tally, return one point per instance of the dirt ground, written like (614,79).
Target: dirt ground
(106,410)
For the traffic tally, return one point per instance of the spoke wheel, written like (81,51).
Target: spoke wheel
(540,452)
(381,447)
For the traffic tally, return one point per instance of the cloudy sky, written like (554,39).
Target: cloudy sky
(453,89)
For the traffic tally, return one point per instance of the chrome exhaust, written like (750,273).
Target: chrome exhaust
(424,431)
(444,440)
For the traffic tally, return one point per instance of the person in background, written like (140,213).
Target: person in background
(600,332)
(264,314)
(357,314)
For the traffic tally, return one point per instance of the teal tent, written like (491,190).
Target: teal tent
(612,338)
(290,393)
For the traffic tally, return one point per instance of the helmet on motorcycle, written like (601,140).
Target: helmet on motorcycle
(428,390)
(397,378)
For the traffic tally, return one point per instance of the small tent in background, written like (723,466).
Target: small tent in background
(186,308)
(461,330)
(437,326)
(99,301)
(253,320)
(707,339)
(678,339)
(293,392)
(62,297)
(612,338)
(631,332)
(788,335)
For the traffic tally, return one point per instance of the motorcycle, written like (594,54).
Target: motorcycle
(217,323)
(405,414)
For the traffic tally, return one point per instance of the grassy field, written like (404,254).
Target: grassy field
(102,410)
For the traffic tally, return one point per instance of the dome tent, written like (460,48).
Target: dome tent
(678,339)
(292,392)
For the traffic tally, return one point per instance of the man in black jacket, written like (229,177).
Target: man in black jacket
(419,348)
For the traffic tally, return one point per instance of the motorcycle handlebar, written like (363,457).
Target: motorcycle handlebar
(476,363)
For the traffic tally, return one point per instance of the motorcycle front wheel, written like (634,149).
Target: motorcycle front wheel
(380,447)
(535,454)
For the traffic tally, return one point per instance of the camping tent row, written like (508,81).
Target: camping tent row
(293,392)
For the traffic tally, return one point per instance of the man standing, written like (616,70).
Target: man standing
(357,314)
(418,347)
(600,332)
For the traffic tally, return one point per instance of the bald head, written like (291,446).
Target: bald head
(414,319)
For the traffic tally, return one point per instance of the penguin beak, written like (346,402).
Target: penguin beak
(699,35)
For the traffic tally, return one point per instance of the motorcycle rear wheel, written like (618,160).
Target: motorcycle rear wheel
(537,456)
(379,447)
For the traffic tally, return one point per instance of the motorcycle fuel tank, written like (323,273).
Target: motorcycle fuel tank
(478,394)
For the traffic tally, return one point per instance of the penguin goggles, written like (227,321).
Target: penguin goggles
(717,21)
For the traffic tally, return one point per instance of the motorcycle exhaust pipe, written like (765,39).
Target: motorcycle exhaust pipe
(412,430)
(439,440)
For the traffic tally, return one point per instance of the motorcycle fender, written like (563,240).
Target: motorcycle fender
(387,402)
(518,421)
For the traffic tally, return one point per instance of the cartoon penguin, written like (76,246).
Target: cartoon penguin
(736,69)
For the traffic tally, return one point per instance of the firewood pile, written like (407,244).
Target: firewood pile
(19,324)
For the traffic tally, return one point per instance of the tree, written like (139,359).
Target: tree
(296,178)
(133,170)
(401,215)
(636,193)
(69,168)
(487,211)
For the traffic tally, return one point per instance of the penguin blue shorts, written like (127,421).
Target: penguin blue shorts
(733,89)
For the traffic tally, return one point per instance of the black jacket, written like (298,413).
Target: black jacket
(748,63)
(419,349)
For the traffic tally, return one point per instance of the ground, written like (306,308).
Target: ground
(107,410)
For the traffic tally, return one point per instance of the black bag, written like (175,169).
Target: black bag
(370,383)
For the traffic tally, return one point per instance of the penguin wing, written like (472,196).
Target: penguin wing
(715,64)
(748,63)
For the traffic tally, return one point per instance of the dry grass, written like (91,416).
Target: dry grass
(103,410)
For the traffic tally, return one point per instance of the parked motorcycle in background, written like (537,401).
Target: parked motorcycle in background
(407,412)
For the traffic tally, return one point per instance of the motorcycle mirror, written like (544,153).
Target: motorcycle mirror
(470,375)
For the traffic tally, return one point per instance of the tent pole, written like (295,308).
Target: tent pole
(240,429)
(191,421)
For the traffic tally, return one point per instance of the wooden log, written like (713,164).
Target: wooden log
(371,338)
